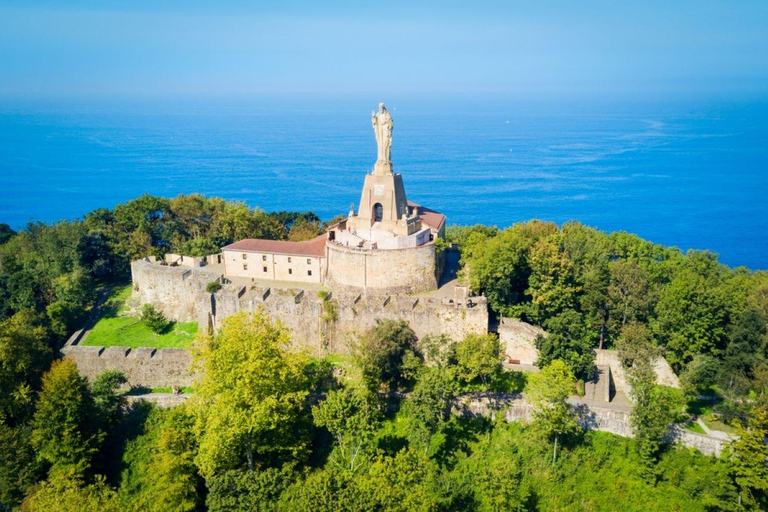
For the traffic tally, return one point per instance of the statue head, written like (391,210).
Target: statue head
(382,108)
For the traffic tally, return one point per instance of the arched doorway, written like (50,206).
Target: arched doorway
(378,212)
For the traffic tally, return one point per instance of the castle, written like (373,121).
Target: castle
(387,246)
(379,262)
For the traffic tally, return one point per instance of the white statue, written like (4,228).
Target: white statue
(382,129)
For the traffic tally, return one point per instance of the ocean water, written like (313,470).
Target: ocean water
(692,175)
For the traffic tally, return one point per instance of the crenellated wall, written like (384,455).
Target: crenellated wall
(181,296)
(150,367)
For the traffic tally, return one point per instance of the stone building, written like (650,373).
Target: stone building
(387,246)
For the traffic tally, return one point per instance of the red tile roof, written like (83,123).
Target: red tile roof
(431,218)
(314,247)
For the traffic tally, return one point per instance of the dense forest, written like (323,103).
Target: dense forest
(270,428)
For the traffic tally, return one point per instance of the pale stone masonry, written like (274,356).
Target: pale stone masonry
(386,247)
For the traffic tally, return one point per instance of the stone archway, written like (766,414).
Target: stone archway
(378,212)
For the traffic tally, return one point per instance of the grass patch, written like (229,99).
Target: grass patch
(115,302)
(115,330)
(129,331)
(695,427)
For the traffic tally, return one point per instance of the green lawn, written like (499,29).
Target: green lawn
(112,329)
(129,331)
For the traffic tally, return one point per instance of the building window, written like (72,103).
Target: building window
(290,271)
(309,272)
(289,259)
(309,261)
(265,269)
(245,266)
(378,212)
(245,256)
(263,257)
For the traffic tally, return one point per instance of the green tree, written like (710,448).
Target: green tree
(689,318)
(238,490)
(160,472)
(154,319)
(438,350)
(19,468)
(330,489)
(749,454)
(107,398)
(548,391)
(652,407)
(399,483)
(381,350)
(24,356)
(63,431)
(478,356)
(552,286)
(5,233)
(352,419)
(428,406)
(250,396)
(499,267)
(630,297)
(569,339)
(66,491)
(744,353)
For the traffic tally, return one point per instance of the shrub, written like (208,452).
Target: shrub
(213,287)
(154,319)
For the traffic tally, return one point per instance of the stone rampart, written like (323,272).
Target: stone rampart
(517,338)
(150,367)
(414,270)
(589,418)
(181,295)
(665,376)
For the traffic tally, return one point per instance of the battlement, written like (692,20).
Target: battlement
(151,367)
(182,296)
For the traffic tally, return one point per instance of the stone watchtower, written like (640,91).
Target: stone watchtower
(383,204)
(388,245)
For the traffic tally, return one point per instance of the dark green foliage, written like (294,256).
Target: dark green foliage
(24,356)
(64,432)
(213,287)
(20,469)
(380,353)
(749,455)
(570,340)
(5,233)
(248,491)
(583,286)
(478,357)
(160,473)
(154,319)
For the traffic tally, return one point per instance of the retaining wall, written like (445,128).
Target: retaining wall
(589,418)
(181,295)
(150,367)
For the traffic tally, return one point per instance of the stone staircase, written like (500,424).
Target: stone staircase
(598,389)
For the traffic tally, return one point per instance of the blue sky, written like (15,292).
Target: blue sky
(649,48)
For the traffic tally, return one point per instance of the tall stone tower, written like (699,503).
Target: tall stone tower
(383,204)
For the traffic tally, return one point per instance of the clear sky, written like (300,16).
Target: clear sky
(350,47)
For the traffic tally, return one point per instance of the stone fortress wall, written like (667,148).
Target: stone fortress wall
(157,368)
(413,269)
(180,294)
(515,408)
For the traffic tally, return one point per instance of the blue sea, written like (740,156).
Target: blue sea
(688,174)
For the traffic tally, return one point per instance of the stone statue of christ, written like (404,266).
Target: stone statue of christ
(382,129)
